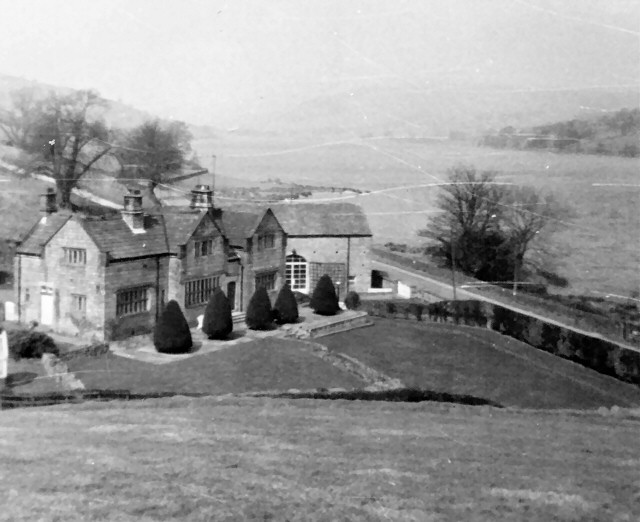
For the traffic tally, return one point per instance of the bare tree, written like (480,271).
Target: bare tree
(76,135)
(528,217)
(156,148)
(467,225)
(20,120)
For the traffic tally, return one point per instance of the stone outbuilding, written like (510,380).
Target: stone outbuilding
(326,238)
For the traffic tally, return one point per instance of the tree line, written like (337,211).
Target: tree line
(494,231)
(614,134)
(69,134)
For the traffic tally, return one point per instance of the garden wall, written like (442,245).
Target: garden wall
(604,356)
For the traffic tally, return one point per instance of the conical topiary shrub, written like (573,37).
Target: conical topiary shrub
(258,315)
(324,300)
(217,322)
(286,308)
(352,301)
(172,334)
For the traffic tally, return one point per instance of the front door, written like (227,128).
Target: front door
(46,304)
(231,294)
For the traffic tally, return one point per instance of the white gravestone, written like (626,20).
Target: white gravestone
(4,354)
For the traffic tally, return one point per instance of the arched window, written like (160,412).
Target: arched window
(296,273)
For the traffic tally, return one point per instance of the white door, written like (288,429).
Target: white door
(46,304)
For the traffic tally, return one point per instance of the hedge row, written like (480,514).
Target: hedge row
(471,313)
(603,356)
(93,350)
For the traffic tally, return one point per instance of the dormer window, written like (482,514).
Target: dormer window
(266,241)
(75,256)
(204,248)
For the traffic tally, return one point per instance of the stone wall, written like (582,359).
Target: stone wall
(336,250)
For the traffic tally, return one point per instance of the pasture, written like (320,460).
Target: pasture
(265,459)
(598,250)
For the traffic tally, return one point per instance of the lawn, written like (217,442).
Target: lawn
(268,364)
(481,363)
(303,460)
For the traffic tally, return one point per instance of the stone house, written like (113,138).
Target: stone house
(110,278)
(326,238)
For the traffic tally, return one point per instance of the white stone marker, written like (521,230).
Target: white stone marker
(4,354)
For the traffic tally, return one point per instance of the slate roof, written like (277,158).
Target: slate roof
(180,226)
(114,237)
(41,233)
(322,219)
(239,226)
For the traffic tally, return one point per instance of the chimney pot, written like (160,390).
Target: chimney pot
(132,213)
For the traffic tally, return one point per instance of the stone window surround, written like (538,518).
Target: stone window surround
(198,291)
(266,241)
(204,247)
(266,279)
(131,301)
(75,256)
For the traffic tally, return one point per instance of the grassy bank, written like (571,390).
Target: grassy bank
(265,459)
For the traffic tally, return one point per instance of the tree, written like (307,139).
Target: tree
(172,334)
(324,300)
(259,315)
(72,128)
(286,307)
(19,121)
(217,322)
(528,217)
(470,210)
(486,229)
(156,148)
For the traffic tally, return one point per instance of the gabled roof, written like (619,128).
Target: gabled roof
(322,219)
(36,239)
(239,226)
(114,237)
(180,226)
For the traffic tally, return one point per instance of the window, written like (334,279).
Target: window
(266,241)
(132,301)
(204,248)
(78,303)
(75,256)
(197,292)
(266,280)
(296,273)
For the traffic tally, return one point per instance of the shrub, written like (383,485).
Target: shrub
(286,308)
(259,310)
(172,334)
(217,322)
(29,344)
(352,300)
(324,300)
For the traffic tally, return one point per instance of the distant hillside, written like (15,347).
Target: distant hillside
(616,133)
(118,114)
(400,110)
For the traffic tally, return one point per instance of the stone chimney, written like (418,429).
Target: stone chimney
(48,204)
(202,197)
(132,214)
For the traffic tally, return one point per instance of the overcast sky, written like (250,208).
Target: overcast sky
(217,61)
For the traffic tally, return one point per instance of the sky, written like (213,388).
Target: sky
(218,62)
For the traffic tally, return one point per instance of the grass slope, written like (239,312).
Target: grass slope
(261,459)
(481,363)
(269,364)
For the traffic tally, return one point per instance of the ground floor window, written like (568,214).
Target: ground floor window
(79,303)
(296,273)
(132,301)
(267,280)
(198,291)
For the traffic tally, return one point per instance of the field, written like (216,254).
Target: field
(599,251)
(265,459)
